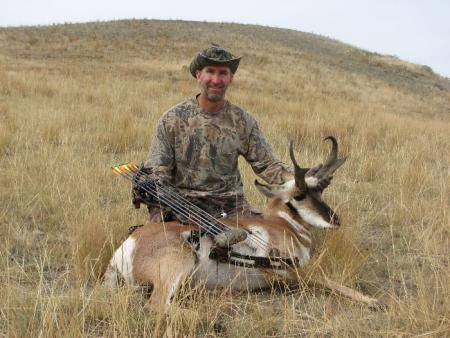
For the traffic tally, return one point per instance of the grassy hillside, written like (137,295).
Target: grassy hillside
(75,99)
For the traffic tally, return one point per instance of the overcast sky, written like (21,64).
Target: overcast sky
(414,30)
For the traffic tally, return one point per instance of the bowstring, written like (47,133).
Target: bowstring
(172,199)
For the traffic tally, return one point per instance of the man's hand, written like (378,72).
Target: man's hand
(136,197)
(322,182)
(144,193)
(138,194)
(314,170)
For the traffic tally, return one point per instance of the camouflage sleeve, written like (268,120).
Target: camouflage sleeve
(261,158)
(161,155)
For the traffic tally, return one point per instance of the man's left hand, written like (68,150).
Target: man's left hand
(323,182)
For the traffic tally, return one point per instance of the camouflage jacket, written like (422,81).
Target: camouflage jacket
(197,152)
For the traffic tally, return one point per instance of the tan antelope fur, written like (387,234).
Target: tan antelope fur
(158,255)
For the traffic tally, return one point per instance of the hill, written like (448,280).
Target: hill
(77,98)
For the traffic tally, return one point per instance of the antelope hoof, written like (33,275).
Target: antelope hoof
(230,237)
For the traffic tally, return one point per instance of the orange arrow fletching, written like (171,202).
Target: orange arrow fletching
(124,168)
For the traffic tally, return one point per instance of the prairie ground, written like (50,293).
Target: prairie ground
(76,99)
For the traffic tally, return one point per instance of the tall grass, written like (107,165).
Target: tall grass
(75,99)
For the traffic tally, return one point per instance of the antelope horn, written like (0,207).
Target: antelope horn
(291,153)
(332,163)
(334,149)
(299,172)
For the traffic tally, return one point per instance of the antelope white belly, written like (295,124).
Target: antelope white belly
(222,275)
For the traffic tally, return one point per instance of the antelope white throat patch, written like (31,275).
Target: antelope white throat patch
(312,217)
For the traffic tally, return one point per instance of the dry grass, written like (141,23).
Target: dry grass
(75,99)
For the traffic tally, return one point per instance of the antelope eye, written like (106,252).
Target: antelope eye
(300,197)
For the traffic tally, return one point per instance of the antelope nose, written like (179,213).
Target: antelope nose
(335,220)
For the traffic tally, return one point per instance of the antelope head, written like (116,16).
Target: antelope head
(302,196)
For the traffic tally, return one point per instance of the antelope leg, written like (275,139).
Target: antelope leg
(350,293)
(172,271)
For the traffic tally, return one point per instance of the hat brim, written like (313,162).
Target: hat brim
(201,61)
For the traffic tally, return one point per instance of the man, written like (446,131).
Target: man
(197,143)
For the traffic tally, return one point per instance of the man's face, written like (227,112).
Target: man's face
(214,81)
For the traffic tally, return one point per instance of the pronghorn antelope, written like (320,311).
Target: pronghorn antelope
(161,256)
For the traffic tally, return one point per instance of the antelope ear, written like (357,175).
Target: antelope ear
(265,189)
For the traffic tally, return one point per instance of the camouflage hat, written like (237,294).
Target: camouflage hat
(214,55)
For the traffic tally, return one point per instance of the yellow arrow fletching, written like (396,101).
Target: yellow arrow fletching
(116,170)
(124,168)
